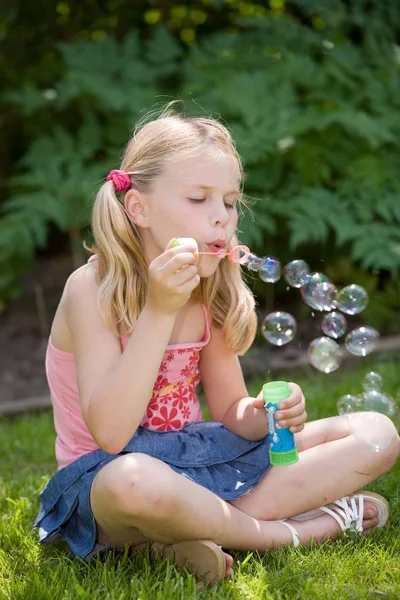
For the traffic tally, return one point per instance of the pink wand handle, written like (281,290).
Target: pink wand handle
(238,254)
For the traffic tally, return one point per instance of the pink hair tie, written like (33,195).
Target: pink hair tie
(120,179)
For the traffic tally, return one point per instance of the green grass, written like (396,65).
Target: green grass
(348,569)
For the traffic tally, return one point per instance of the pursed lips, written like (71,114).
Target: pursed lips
(216,245)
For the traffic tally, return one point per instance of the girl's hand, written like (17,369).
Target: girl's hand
(291,411)
(172,278)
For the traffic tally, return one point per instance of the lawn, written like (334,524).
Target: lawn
(348,569)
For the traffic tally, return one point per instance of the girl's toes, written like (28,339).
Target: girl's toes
(370,519)
(370,512)
(229,563)
(370,523)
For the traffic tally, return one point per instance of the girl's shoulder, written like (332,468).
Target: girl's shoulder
(80,290)
(83,279)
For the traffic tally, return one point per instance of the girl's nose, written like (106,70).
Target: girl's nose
(220,215)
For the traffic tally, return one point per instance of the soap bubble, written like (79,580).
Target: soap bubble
(325,354)
(352,299)
(242,256)
(334,324)
(270,270)
(312,280)
(320,295)
(372,381)
(362,341)
(296,273)
(348,404)
(279,328)
(377,401)
(254,262)
(369,429)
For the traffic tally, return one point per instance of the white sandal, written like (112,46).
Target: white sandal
(348,512)
(295,535)
(346,508)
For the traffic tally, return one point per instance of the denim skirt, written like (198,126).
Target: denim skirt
(205,452)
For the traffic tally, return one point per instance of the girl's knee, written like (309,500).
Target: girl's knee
(142,486)
(379,433)
(392,439)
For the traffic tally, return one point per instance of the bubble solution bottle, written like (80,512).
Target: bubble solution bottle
(282,449)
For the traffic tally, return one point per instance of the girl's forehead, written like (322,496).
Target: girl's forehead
(212,170)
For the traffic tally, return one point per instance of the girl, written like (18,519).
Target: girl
(137,328)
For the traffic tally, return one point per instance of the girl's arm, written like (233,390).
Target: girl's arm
(115,388)
(229,402)
(225,390)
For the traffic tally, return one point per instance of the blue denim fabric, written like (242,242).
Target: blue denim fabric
(205,452)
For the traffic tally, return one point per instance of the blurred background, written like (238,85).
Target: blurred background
(310,91)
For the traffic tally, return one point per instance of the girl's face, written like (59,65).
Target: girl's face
(193,198)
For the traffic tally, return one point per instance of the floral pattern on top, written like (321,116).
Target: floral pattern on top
(174,402)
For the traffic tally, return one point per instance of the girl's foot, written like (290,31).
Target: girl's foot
(228,565)
(324,527)
(203,558)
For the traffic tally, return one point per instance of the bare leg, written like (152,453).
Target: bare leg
(333,462)
(136,497)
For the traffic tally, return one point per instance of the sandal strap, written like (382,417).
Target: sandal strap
(346,512)
(295,535)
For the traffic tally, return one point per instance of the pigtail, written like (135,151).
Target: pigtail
(122,267)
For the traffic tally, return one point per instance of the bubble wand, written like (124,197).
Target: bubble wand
(238,254)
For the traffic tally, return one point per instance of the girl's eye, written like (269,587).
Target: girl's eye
(200,200)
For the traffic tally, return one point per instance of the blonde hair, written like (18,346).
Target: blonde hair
(122,265)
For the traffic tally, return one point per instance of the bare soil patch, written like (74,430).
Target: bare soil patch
(25,327)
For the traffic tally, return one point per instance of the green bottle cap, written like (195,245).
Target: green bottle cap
(282,459)
(274,391)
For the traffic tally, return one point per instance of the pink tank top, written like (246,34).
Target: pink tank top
(173,404)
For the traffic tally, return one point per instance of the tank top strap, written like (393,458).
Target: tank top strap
(92,258)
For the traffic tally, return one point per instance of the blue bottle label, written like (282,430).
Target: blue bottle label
(273,436)
(280,438)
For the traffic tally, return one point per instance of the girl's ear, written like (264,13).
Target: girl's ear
(135,207)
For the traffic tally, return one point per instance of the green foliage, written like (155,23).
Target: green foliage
(120,77)
(311,92)
(107,87)
(55,187)
(315,114)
